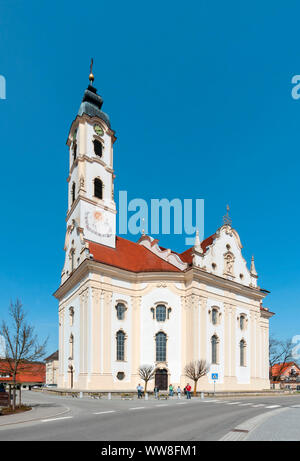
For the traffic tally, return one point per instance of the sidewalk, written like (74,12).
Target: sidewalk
(38,412)
(282,427)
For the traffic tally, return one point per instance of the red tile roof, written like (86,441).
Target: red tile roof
(130,256)
(134,257)
(280,368)
(52,357)
(29,372)
(187,255)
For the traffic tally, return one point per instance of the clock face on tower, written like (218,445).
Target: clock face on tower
(98,223)
(98,130)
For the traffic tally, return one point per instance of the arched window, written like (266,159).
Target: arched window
(242,322)
(161,347)
(120,311)
(72,253)
(73,192)
(120,345)
(98,148)
(214,316)
(98,188)
(160,313)
(242,353)
(71,313)
(71,346)
(214,349)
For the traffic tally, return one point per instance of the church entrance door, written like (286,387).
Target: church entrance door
(161,379)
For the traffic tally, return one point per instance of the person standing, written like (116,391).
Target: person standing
(156,392)
(188,391)
(139,391)
(171,390)
(178,392)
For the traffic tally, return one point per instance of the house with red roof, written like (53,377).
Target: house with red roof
(29,373)
(124,303)
(285,375)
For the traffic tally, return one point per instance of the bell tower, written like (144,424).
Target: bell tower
(91,214)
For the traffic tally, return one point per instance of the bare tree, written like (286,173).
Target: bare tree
(195,370)
(147,373)
(279,352)
(21,343)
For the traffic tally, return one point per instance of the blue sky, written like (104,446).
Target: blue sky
(199,94)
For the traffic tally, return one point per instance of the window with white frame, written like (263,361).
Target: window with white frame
(242,353)
(242,322)
(120,345)
(71,347)
(161,347)
(121,308)
(214,316)
(161,313)
(214,349)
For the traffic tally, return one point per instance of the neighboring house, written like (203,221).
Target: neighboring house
(285,375)
(29,374)
(123,304)
(52,368)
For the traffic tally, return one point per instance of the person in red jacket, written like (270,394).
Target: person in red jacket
(188,391)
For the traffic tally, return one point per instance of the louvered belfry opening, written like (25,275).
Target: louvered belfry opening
(98,188)
(98,148)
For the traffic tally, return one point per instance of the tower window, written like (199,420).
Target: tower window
(74,150)
(73,192)
(98,148)
(98,188)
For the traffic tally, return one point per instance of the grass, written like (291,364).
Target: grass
(19,409)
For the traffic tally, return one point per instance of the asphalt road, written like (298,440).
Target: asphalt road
(126,420)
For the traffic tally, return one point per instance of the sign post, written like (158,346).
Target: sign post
(214,377)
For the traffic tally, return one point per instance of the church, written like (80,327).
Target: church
(124,304)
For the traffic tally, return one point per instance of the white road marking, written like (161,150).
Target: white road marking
(295,406)
(163,405)
(274,406)
(244,404)
(233,403)
(137,408)
(259,405)
(181,403)
(104,412)
(56,419)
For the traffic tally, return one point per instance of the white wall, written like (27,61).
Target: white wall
(172,328)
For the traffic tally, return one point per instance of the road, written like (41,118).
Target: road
(125,420)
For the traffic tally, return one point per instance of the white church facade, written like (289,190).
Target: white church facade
(124,304)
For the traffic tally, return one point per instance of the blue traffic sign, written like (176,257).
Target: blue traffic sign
(214,376)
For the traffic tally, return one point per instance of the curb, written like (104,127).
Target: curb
(241,432)
(35,419)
